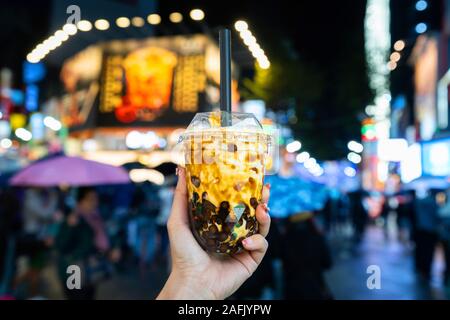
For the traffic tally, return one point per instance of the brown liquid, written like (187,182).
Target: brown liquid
(224,176)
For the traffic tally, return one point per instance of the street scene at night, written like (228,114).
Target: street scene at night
(258,150)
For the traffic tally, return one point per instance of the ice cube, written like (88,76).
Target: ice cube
(248,124)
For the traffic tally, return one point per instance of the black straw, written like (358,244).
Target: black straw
(225,76)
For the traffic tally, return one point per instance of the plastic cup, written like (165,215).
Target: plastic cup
(224,176)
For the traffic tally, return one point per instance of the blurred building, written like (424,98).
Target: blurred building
(418,141)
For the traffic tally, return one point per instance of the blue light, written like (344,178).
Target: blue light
(421,27)
(33,72)
(37,126)
(421,5)
(31,97)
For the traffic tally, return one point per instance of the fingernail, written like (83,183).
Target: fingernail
(176,171)
(247,241)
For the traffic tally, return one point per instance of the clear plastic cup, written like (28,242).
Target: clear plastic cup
(224,176)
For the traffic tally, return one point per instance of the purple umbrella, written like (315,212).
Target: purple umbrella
(72,171)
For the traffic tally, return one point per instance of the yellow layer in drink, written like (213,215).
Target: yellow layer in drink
(224,175)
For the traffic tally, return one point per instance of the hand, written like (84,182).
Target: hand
(196,274)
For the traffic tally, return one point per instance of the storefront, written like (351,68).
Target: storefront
(129,100)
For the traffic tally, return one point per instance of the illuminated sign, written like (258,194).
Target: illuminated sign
(411,165)
(157,81)
(33,72)
(392,149)
(5,129)
(17,120)
(436,158)
(138,86)
(190,80)
(257,107)
(31,97)
(37,126)
(442,101)
(425,54)
(368,132)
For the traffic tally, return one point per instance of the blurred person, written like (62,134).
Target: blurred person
(426,237)
(165,194)
(198,275)
(389,211)
(405,218)
(306,259)
(75,243)
(334,211)
(39,209)
(87,208)
(9,228)
(82,240)
(115,201)
(268,277)
(443,200)
(385,213)
(358,214)
(328,212)
(142,224)
(342,215)
(290,196)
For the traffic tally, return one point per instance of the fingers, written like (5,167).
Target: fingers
(257,246)
(180,235)
(266,193)
(262,212)
(179,215)
(262,215)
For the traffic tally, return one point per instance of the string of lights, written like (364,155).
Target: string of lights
(399,45)
(250,41)
(305,158)
(69,30)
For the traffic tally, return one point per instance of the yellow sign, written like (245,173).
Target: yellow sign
(17,120)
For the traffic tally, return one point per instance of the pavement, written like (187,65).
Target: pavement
(347,278)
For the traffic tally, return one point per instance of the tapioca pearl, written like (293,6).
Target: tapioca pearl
(232,147)
(254,203)
(211,243)
(195,181)
(213,229)
(252,182)
(234,250)
(222,236)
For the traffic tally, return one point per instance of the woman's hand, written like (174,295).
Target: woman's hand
(198,275)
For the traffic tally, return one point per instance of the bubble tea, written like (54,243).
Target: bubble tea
(224,176)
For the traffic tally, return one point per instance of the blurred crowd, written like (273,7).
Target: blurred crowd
(104,230)
(300,241)
(111,229)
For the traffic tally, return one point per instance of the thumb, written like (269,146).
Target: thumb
(182,241)
(179,213)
